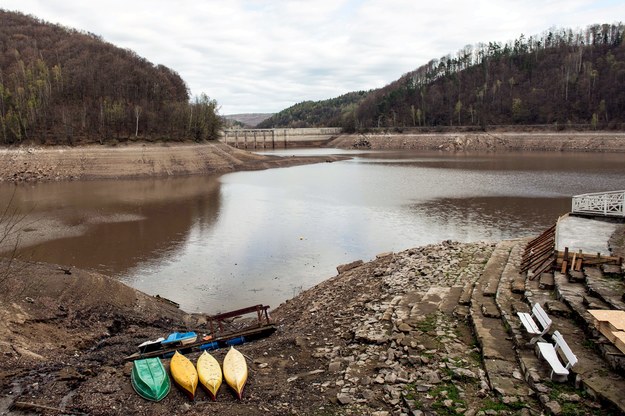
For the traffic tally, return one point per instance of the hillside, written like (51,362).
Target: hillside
(248,119)
(60,85)
(562,78)
(326,113)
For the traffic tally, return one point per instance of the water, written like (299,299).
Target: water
(220,243)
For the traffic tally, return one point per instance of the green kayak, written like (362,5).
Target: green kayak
(149,379)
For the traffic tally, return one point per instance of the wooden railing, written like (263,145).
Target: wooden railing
(610,204)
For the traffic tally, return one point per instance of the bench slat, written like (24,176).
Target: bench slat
(528,323)
(548,352)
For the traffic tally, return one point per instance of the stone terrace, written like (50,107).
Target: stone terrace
(597,382)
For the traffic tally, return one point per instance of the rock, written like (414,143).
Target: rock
(463,373)
(554,407)
(404,327)
(344,398)
(390,378)
(346,267)
(432,377)
(572,398)
(334,367)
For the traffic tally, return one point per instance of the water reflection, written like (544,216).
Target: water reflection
(111,226)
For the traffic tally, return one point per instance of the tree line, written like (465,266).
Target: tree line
(561,77)
(325,113)
(62,86)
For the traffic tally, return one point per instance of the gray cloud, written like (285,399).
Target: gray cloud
(263,55)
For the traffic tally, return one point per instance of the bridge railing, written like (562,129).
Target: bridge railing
(611,204)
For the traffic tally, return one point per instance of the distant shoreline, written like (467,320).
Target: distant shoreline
(145,160)
(136,160)
(486,141)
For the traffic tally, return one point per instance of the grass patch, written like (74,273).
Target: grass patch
(428,324)
(447,392)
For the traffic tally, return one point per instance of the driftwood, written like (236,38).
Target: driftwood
(40,407)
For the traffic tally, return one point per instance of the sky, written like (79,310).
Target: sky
(262,56)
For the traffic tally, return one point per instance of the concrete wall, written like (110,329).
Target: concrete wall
(278,138)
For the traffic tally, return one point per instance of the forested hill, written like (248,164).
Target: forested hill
(562,77)
(326,113)
(60,85)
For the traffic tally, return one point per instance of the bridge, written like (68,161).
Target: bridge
(606,204)
(278,138)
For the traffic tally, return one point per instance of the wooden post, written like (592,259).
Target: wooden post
(264,138)
(273,138)
(236,139)
(245,137)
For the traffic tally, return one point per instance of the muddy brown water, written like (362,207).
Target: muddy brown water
(222,242)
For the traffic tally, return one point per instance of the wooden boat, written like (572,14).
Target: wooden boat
(179,339)
(235,371)
(184,374)
(149,379)
(209,373)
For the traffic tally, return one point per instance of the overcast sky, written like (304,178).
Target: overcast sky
(264,56)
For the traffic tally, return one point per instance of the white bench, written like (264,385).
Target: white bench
(550,353)
(537,323)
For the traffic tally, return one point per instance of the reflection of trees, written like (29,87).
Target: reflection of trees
(162,214)
(519,215)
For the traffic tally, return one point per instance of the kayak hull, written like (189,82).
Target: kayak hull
(184,374)
(149,379)
(209,373)
(235,371)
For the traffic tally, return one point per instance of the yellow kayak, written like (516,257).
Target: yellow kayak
(184,374)
(235,371)
(209,372)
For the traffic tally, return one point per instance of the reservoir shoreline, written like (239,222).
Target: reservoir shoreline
(143,160)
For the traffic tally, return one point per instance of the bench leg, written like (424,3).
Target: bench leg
(536,339)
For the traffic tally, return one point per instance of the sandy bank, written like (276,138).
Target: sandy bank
(133,161)
(487,141)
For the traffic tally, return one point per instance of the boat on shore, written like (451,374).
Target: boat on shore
(235,371)
(179,339)
(209,373)
(184,374)
(149,379)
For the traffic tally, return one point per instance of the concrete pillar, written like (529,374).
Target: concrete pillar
(255,139)
(264,138)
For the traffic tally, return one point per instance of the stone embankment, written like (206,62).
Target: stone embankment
(486,141)
(433,330)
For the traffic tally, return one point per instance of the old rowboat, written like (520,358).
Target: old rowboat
(184,374)
(209,373)
(235,371)
(149,379)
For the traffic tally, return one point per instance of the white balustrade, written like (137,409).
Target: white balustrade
(609,204)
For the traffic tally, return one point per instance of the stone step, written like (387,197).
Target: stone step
(495,266)
(609,290)
(467,291)
(503,373)
(546,281)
